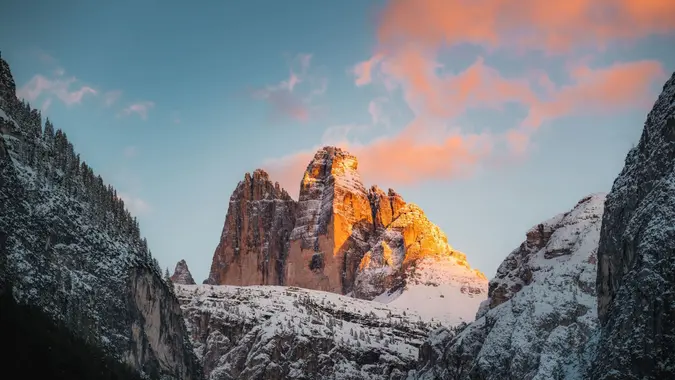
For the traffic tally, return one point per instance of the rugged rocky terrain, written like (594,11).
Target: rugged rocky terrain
(274,332)
(254,243)
(343,238)
(540,312)
(181,275)
(69,248)
(636,268)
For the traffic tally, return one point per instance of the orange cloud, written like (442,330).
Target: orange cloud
(410,35)
(623,85)
(406,161)
(554,26)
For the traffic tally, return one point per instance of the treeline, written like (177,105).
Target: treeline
(42,348)
(52,157)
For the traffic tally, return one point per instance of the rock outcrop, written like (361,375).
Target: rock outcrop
(343,237)
(181,275)
(636,268)
(69,248)
(333,224)
(273,332)
(540,314)
(254,243)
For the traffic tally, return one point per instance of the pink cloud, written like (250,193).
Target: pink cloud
(140,108)
(40,85)
(412,33)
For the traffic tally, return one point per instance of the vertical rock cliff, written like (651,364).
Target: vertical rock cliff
(181,275)
(540,314)
(636,268)
(69,247)
(333,224)
(254,243)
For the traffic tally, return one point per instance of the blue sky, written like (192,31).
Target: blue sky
(172,103)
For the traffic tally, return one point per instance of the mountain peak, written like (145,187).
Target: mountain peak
(181,275)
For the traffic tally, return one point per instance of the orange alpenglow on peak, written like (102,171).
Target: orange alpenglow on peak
(338,237)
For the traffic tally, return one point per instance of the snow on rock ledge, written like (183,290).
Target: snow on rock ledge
(274,332)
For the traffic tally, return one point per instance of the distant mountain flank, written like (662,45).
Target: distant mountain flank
(342,238)
(73,262)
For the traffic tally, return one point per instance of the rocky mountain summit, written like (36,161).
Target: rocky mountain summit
(70,249)
(338,237)
(181,275)
(636,268)
(540,312)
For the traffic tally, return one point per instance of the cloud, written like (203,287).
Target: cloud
(135,205)
(408,60)
(110,97)
(60,88)
(376,112)
(407,161)
(411,35)
(286,98)
(554,27)
(139,108)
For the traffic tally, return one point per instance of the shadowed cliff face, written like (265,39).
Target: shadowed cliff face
(636,268)
(181,275)
(254,243)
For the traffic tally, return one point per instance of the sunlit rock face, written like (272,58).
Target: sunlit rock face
(333,224)
(342,238)
(254,243)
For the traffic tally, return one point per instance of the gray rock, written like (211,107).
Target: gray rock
(636,269)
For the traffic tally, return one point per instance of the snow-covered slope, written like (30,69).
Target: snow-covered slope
(275,332)
(540,312)
(439,288)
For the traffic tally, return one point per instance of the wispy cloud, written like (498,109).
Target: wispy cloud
(45,105)
(285,97)
(64,89)
(110,97)
(139,108)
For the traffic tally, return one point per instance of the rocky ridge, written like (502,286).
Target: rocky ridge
(181,275)
(274,332)
(636,268)
(69,247)
(540,313)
